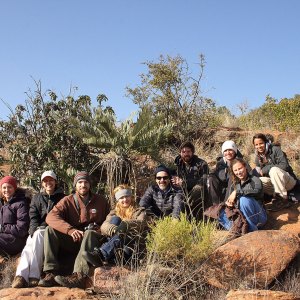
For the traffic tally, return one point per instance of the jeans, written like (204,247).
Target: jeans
(252,210)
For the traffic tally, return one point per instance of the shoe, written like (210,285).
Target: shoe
(76,280)
(95,258)
(48,280)
(19,282)
(33,282)
(278,204)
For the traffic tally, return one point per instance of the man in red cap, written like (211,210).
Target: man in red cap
(73,225)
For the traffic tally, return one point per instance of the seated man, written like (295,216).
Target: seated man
(219,180)
(163,199)
(192,172)
(72,229)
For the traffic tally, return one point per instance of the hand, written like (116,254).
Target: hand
(231,199)
(77,235)
(176,180)
(122,228)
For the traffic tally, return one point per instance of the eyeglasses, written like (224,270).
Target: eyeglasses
(162,177)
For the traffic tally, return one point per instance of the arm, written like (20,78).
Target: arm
(177,204)
(147,199)
(276,159)
(34,215)
(107,228)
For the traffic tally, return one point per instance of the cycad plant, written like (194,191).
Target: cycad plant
(116,144)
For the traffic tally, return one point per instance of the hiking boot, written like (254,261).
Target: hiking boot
(76,280)
(19,282)
(95,258)
(48,280)
(278,204)
(33,282)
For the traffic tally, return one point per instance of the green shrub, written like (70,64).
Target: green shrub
(174,239)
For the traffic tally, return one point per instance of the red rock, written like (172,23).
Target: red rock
(260,295)
(254,259)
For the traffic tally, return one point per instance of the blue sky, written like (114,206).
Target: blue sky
(252,48)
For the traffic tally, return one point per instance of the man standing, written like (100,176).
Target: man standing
(73,224)
(191,176)
(162,199)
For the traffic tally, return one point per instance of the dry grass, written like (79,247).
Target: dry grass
(7,272)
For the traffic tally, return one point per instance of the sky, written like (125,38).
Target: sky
(252,48)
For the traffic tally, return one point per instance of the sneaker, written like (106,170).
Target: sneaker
(48,280)
(33,282)
(19,282)
(76,280)
(95,258)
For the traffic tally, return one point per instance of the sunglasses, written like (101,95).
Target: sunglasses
(162,177)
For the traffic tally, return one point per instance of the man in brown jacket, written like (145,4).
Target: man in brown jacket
(73,225)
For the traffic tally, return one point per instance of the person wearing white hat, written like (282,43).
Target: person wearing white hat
(219,179)
(31,261)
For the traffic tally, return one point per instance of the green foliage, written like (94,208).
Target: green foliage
(116,144)
(174,239)
(279,115)
(169,89)
(38,136)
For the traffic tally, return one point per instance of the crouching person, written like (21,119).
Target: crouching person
(31,261)
(125,227)
(72,229)
(247,196)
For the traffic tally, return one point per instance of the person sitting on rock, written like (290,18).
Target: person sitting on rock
(163,199)
(191,176)
(31,261)
(276,173)
(73,228)
(219,180)
(125,227)
(246,194)
(14,217)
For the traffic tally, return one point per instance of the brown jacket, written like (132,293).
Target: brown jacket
(139,222)
(65,217)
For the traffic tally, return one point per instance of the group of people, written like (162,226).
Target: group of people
(83,227)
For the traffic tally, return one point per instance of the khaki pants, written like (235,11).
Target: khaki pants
(279,182)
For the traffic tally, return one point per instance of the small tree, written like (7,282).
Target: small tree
(38,136)
(169,89)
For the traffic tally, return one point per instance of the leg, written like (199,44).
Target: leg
(36,262)
(196,204)
(215,189)
(91,239)
(282,181)
(224,221)
(253,211)
(53,242)
(23,266)
(268,187)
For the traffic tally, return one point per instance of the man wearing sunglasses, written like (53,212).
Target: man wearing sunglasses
(163,199)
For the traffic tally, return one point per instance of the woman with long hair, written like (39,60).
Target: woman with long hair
(31,261)
(124,226)
(14,217)
(274,170)
(246,195)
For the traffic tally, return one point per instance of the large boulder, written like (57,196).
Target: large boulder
(57,293)
(254,259)
(260,295)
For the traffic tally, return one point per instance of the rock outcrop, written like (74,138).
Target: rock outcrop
(260,295)
(254,259)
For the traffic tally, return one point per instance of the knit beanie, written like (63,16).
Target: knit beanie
(162,168)
(81,175)
(229,145)
(10,180)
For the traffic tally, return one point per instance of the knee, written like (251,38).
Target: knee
(245,202)
(274,170)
